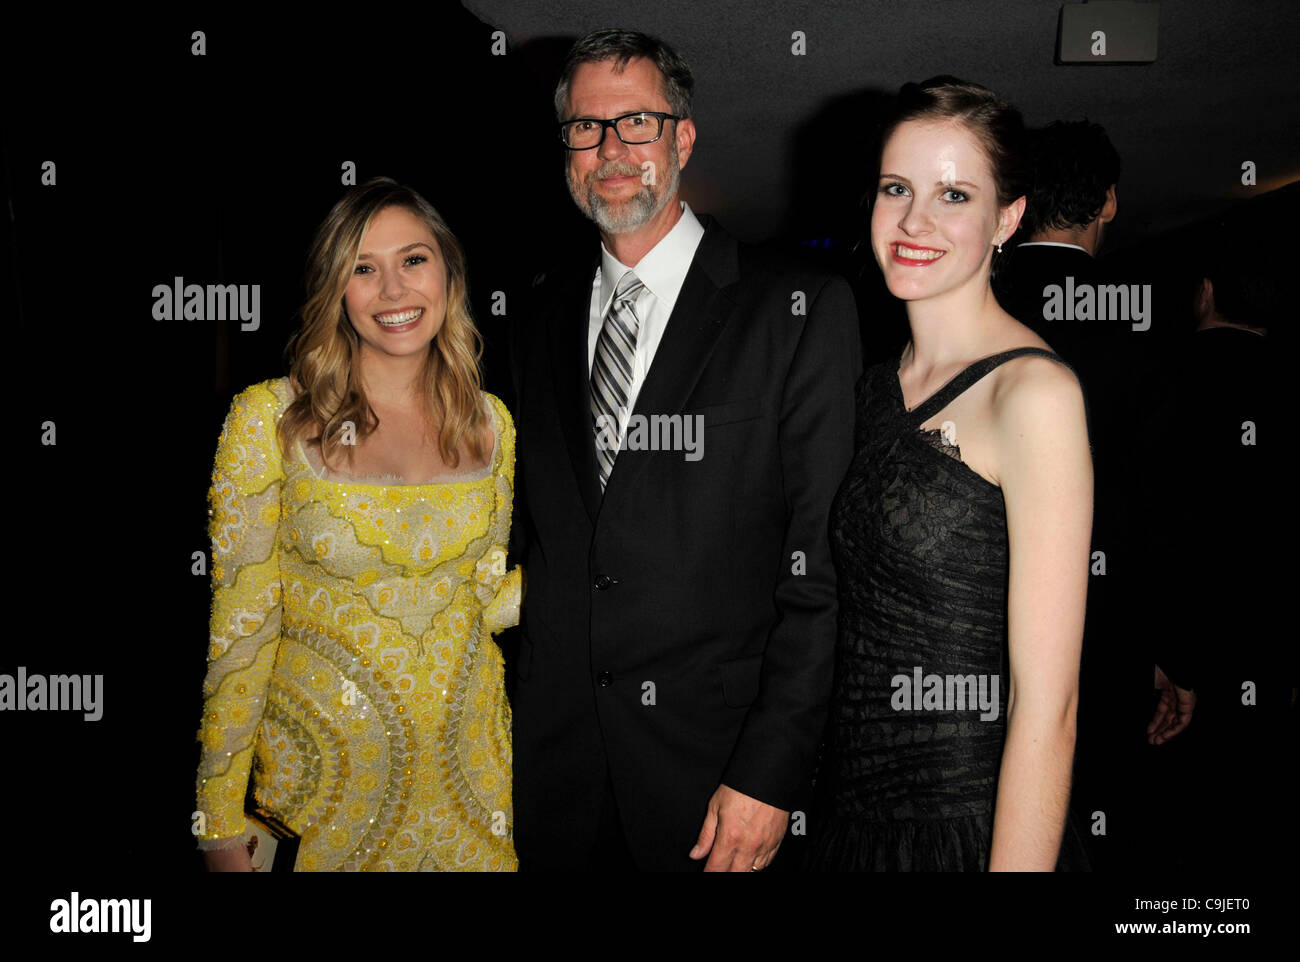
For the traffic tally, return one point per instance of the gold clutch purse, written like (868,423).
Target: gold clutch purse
(272,846)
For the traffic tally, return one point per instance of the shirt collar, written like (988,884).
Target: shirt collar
(1053,244)
(663,269)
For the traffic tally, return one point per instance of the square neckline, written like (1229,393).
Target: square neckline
(498,427)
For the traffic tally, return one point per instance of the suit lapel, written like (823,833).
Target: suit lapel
(702,309)
(568,345)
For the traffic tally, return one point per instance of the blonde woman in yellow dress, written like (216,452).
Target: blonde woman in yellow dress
(360,512)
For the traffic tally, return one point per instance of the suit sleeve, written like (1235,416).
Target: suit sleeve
(518,341)
(1170,557)
(774,755)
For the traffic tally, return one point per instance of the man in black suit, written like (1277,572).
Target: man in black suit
(685,417)
(1222,585)
(1072,199)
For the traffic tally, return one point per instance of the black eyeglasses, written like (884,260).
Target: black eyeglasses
(642,127)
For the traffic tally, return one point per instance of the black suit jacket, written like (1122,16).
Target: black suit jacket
(1020,285)
(1117,651)
(671,635)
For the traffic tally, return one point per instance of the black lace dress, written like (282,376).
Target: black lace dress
(908,777)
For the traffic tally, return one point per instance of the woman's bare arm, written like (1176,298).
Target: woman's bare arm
(1045,469)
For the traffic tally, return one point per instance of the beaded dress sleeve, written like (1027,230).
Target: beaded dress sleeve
(245,622)
(499,589)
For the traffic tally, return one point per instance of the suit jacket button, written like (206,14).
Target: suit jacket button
(603,581)
(604,679)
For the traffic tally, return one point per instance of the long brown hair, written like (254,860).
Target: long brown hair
(325,350)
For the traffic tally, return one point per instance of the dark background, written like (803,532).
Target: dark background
(218,169)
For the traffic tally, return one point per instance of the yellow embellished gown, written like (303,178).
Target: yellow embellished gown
(351,664)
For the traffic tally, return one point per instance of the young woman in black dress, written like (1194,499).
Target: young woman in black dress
(961,533)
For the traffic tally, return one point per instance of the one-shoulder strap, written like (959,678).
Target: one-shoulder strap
(944,396)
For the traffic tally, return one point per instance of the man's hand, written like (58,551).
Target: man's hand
(742,833)
(1173,713)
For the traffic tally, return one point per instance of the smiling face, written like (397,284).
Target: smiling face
(936,217)
(396,298)
(622,186)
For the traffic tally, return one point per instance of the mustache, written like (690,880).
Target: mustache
(614,168)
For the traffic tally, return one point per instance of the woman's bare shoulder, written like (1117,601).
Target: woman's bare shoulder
(1036,395)
(1030,374)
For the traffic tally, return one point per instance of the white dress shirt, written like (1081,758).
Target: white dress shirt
(662,271)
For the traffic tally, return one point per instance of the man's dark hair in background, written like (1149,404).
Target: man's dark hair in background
(1074,165)
(1074,170)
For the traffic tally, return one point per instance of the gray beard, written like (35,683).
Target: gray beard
(632,213)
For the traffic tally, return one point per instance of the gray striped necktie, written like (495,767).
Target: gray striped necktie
(611,371)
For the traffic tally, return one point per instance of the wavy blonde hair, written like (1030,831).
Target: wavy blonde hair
(325,350)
